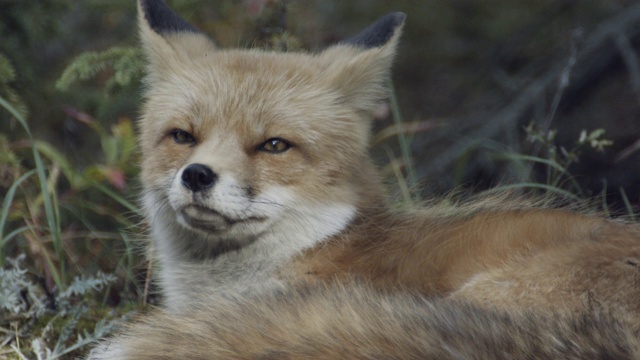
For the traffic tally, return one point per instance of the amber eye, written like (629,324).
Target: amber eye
(274,146)
(182,137)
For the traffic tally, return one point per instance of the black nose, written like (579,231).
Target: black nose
(198,177)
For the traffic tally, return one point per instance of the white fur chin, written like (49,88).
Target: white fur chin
(305,224)
(297,226)
(313,225)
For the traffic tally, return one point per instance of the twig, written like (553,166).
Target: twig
(631,61)
(628,151)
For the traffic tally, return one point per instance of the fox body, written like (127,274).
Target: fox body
(257,179)
(353,321)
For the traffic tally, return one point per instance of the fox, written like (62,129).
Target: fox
(257,180)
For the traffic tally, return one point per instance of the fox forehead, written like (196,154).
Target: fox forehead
(255,93)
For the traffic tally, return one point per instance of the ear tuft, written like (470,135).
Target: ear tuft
(359,67)
(169,41)
(162,19)
(379,33)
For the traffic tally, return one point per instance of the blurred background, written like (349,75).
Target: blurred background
(470,75)
(529,95)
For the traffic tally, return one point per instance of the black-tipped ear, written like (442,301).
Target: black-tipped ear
(168,40)
(162,19)
(359,68)
(379,33)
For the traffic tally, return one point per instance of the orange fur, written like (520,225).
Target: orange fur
(543,257)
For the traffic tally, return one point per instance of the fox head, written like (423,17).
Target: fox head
(239,143)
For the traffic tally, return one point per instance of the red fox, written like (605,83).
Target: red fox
(257,181)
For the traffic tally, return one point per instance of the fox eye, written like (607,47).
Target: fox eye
(182,137)
(274,146)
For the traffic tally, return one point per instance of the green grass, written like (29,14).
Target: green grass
(48,199)
(46,241)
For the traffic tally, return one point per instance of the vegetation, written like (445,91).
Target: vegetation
(71,264)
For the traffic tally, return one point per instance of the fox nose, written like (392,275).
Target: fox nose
(198,177)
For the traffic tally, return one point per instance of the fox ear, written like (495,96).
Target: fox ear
(168,40)
(379,33)
(359,67)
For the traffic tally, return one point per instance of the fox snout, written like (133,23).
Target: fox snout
(198,177)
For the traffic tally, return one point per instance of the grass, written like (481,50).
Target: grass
(51,236)
(48,200)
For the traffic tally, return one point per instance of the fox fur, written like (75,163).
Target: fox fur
(257,180)
(351,321)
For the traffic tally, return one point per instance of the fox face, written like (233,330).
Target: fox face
(241,143)
(232,149)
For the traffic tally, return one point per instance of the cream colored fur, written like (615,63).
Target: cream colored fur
(232,101)
(356,322)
